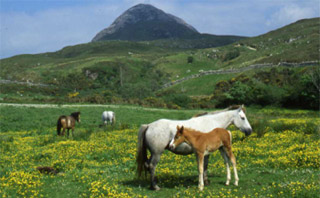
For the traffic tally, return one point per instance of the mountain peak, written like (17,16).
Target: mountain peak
(146,22)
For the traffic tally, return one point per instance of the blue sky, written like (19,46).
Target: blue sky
(38,26)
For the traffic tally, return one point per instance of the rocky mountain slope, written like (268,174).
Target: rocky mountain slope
(145,22)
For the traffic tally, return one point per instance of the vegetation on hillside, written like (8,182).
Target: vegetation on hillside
(134,72)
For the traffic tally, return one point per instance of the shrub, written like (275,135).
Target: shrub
(259,125)
(181,100)
(231,55)
(190,59)
(154,102)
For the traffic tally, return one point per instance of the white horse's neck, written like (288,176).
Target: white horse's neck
(219,120)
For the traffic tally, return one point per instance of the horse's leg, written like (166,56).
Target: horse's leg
(154,159)
(63,131)
(68,131)
(200,160)
(233,161)
(226,161)
(205,172)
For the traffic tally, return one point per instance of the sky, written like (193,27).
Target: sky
(39,26)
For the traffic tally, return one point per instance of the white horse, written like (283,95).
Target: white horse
(108,116)
(157,135)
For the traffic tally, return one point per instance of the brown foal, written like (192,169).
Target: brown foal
(206,143)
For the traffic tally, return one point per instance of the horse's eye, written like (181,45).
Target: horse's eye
(242,118)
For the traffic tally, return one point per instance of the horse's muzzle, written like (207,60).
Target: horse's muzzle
(247,131)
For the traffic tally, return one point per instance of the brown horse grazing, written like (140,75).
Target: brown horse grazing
(205,143)
(67,122)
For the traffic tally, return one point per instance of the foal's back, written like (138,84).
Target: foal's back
(219,133)
(216,138)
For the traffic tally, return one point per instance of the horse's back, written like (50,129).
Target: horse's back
(162,130)
(108,116)
(105,114)
(62,119)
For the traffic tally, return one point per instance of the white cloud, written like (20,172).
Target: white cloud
(52,29)
(291,13)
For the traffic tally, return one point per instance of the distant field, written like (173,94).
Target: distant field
(280,159)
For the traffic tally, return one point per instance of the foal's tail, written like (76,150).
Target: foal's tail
(141,157)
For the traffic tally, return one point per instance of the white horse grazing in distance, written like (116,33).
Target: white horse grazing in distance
(108,116)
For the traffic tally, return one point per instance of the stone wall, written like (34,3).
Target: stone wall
(238,70)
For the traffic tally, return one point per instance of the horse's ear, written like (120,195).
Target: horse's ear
(178,128)
(181,129)
(243,108)
(240,108)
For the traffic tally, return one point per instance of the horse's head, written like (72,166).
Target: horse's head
(240,120)
(178,138)
(76,116)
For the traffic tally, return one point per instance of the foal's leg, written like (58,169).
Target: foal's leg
(200,157)
(233,161)
(226,161)
(205,172)
(154,159)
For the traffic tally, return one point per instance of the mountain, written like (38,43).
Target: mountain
(146,22)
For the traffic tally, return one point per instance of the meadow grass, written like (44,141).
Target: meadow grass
(100,161)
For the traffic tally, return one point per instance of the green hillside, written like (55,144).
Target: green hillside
(135,72)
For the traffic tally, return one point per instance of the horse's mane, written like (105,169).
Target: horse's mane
(232,107)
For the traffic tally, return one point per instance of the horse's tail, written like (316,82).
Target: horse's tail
(142,158)
(59,126)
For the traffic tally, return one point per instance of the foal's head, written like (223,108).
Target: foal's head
(178,138)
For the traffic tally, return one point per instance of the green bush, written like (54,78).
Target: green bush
(190,59)
(154,102)
(231,55)
(180,100)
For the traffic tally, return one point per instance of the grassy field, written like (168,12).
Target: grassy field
(280,159)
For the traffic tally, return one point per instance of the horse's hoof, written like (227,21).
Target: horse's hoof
(236,183)
(156,188)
